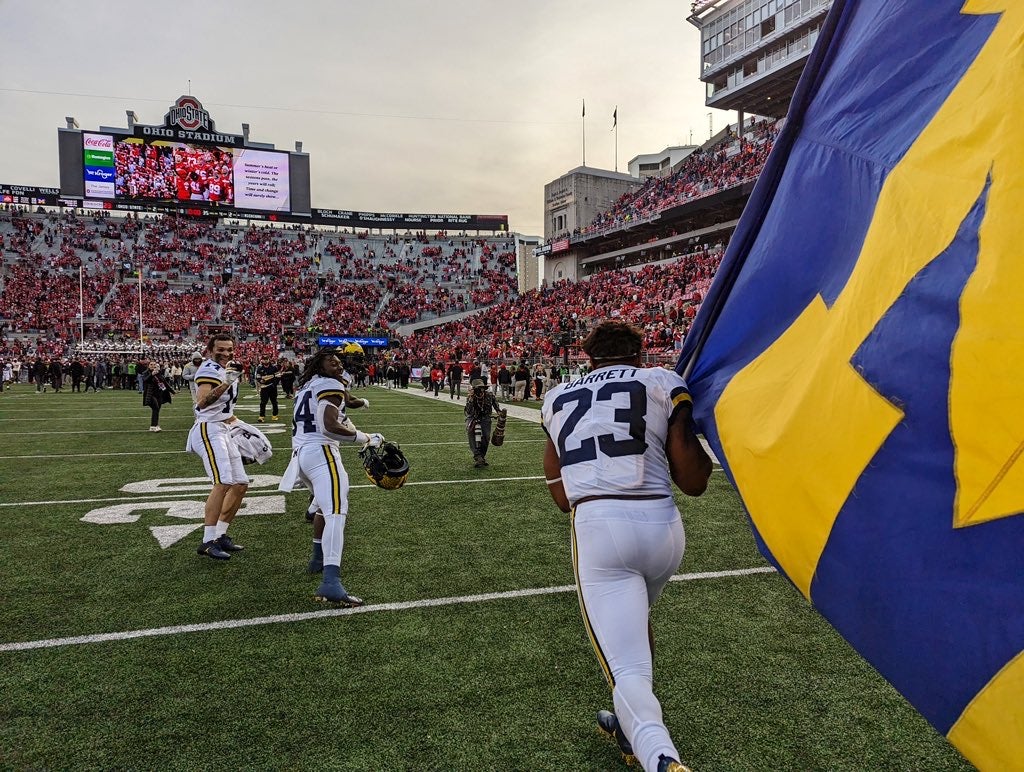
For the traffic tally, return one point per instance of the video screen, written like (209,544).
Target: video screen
(134,169)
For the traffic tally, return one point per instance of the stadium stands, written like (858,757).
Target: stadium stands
(277,288)
(271,286)
(724,165)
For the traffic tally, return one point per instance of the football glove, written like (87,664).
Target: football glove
(366,403)
(231,376)
(373,441)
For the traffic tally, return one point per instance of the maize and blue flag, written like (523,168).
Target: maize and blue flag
(858,364)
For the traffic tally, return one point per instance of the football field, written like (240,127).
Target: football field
(121,648)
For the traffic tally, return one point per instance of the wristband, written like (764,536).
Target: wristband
(552,482)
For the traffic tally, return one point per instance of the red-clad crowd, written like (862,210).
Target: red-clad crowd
(660,298)
(705,171)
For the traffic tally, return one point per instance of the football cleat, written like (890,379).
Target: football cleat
(275,418)
(608,723)
(332,591)
(212,549)
(669,764)
(225,543)
(261,420)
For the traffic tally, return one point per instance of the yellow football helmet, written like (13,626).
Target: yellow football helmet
(352,355)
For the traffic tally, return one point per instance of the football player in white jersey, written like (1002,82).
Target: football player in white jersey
(210,439)
(319,424)
(618,438)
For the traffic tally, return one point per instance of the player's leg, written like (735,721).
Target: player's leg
(321,466)
(661,545)
(199,442)
(609,559)
(239,480)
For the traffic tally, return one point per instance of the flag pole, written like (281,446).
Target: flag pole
(584,117)
(140,307)
(615,125)
(81,308)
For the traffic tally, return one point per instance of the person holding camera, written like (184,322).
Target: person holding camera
(479,406)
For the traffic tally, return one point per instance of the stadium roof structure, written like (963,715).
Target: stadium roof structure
(753,51)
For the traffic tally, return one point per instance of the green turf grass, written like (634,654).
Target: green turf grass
(749,675)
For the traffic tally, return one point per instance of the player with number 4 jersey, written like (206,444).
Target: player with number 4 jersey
(319,425)
(617,439)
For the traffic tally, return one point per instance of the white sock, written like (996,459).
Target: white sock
(222,527)
(209,533)
(333,539)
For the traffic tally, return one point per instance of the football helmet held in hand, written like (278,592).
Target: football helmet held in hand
(352,356)
(386,466)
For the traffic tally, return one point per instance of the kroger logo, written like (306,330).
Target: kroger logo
(99,143)
(99,173)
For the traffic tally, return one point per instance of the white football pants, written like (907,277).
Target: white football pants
(624,551)
(320,468)
(212,442)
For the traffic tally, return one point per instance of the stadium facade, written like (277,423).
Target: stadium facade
(752,55)
(753,51)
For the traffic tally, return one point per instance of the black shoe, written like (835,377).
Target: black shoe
(225,543)
(212,550)
(483,461)
(608,723)
(333,592)
(669,764)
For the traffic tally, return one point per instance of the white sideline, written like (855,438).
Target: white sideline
(231,624)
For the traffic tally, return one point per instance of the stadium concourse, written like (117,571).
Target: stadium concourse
(278,288)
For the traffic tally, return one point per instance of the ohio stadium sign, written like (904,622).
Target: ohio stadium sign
(187,121)
(188,113)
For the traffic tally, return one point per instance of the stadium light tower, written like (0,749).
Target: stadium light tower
(298,146)
(132,119)
(72,122)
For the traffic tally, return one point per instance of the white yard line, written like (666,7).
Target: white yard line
(282,449)
(231,624)
(266,491)
(143,426)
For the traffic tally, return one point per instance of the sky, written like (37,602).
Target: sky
(451,106)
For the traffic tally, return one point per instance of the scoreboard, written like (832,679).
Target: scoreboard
(183,164)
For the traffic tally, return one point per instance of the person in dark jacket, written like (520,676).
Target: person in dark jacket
(56,373)
(156,392)
(77,371)
(454,380)
(40,371)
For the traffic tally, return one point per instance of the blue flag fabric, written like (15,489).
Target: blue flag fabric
(858,364)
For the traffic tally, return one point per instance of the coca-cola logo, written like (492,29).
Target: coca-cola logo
(99,143)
